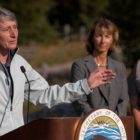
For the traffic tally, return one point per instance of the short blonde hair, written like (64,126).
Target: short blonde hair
(98,26)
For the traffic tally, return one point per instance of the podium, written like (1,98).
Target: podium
(57,129)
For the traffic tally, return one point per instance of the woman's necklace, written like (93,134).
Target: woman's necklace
(100,65)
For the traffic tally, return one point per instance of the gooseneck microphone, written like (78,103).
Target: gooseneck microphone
(24,72)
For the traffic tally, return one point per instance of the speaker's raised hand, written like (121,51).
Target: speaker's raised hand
(100,77)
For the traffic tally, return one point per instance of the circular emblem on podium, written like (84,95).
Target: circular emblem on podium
(102,124)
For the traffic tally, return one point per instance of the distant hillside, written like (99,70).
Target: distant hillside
(53,59)
(57,53)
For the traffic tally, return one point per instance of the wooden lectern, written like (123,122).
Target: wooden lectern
(57,129)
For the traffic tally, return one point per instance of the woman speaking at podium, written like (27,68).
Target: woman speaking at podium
(18,79)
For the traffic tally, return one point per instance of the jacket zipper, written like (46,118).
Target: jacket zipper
(8,74)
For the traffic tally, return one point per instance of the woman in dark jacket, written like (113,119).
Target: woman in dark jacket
(102,41)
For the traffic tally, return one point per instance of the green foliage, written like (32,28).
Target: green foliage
(126,14)
(54,54)
(32,18)
(76,13)
(42,21)
(90,10)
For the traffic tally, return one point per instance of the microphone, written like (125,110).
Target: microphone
(23,70)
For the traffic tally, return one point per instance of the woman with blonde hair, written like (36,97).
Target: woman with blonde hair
(102,41)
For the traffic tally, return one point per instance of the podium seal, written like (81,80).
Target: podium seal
(102,124)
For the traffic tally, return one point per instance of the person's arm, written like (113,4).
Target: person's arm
(135,111)
(134,90)
(43,93)
(78,72)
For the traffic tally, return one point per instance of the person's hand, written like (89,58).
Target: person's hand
(98,78)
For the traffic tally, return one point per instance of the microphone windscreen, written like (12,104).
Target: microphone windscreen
(23,69)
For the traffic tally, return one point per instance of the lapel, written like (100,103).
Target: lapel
(90,63)
(91,66)
(115,83)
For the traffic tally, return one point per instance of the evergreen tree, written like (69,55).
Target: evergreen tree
(126,14)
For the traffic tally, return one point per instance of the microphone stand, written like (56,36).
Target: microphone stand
(24,72)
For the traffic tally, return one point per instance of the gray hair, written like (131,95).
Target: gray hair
(7,14)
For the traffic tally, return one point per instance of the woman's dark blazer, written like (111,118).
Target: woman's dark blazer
(114,96)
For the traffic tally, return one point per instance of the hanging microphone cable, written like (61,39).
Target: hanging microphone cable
(24,72)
